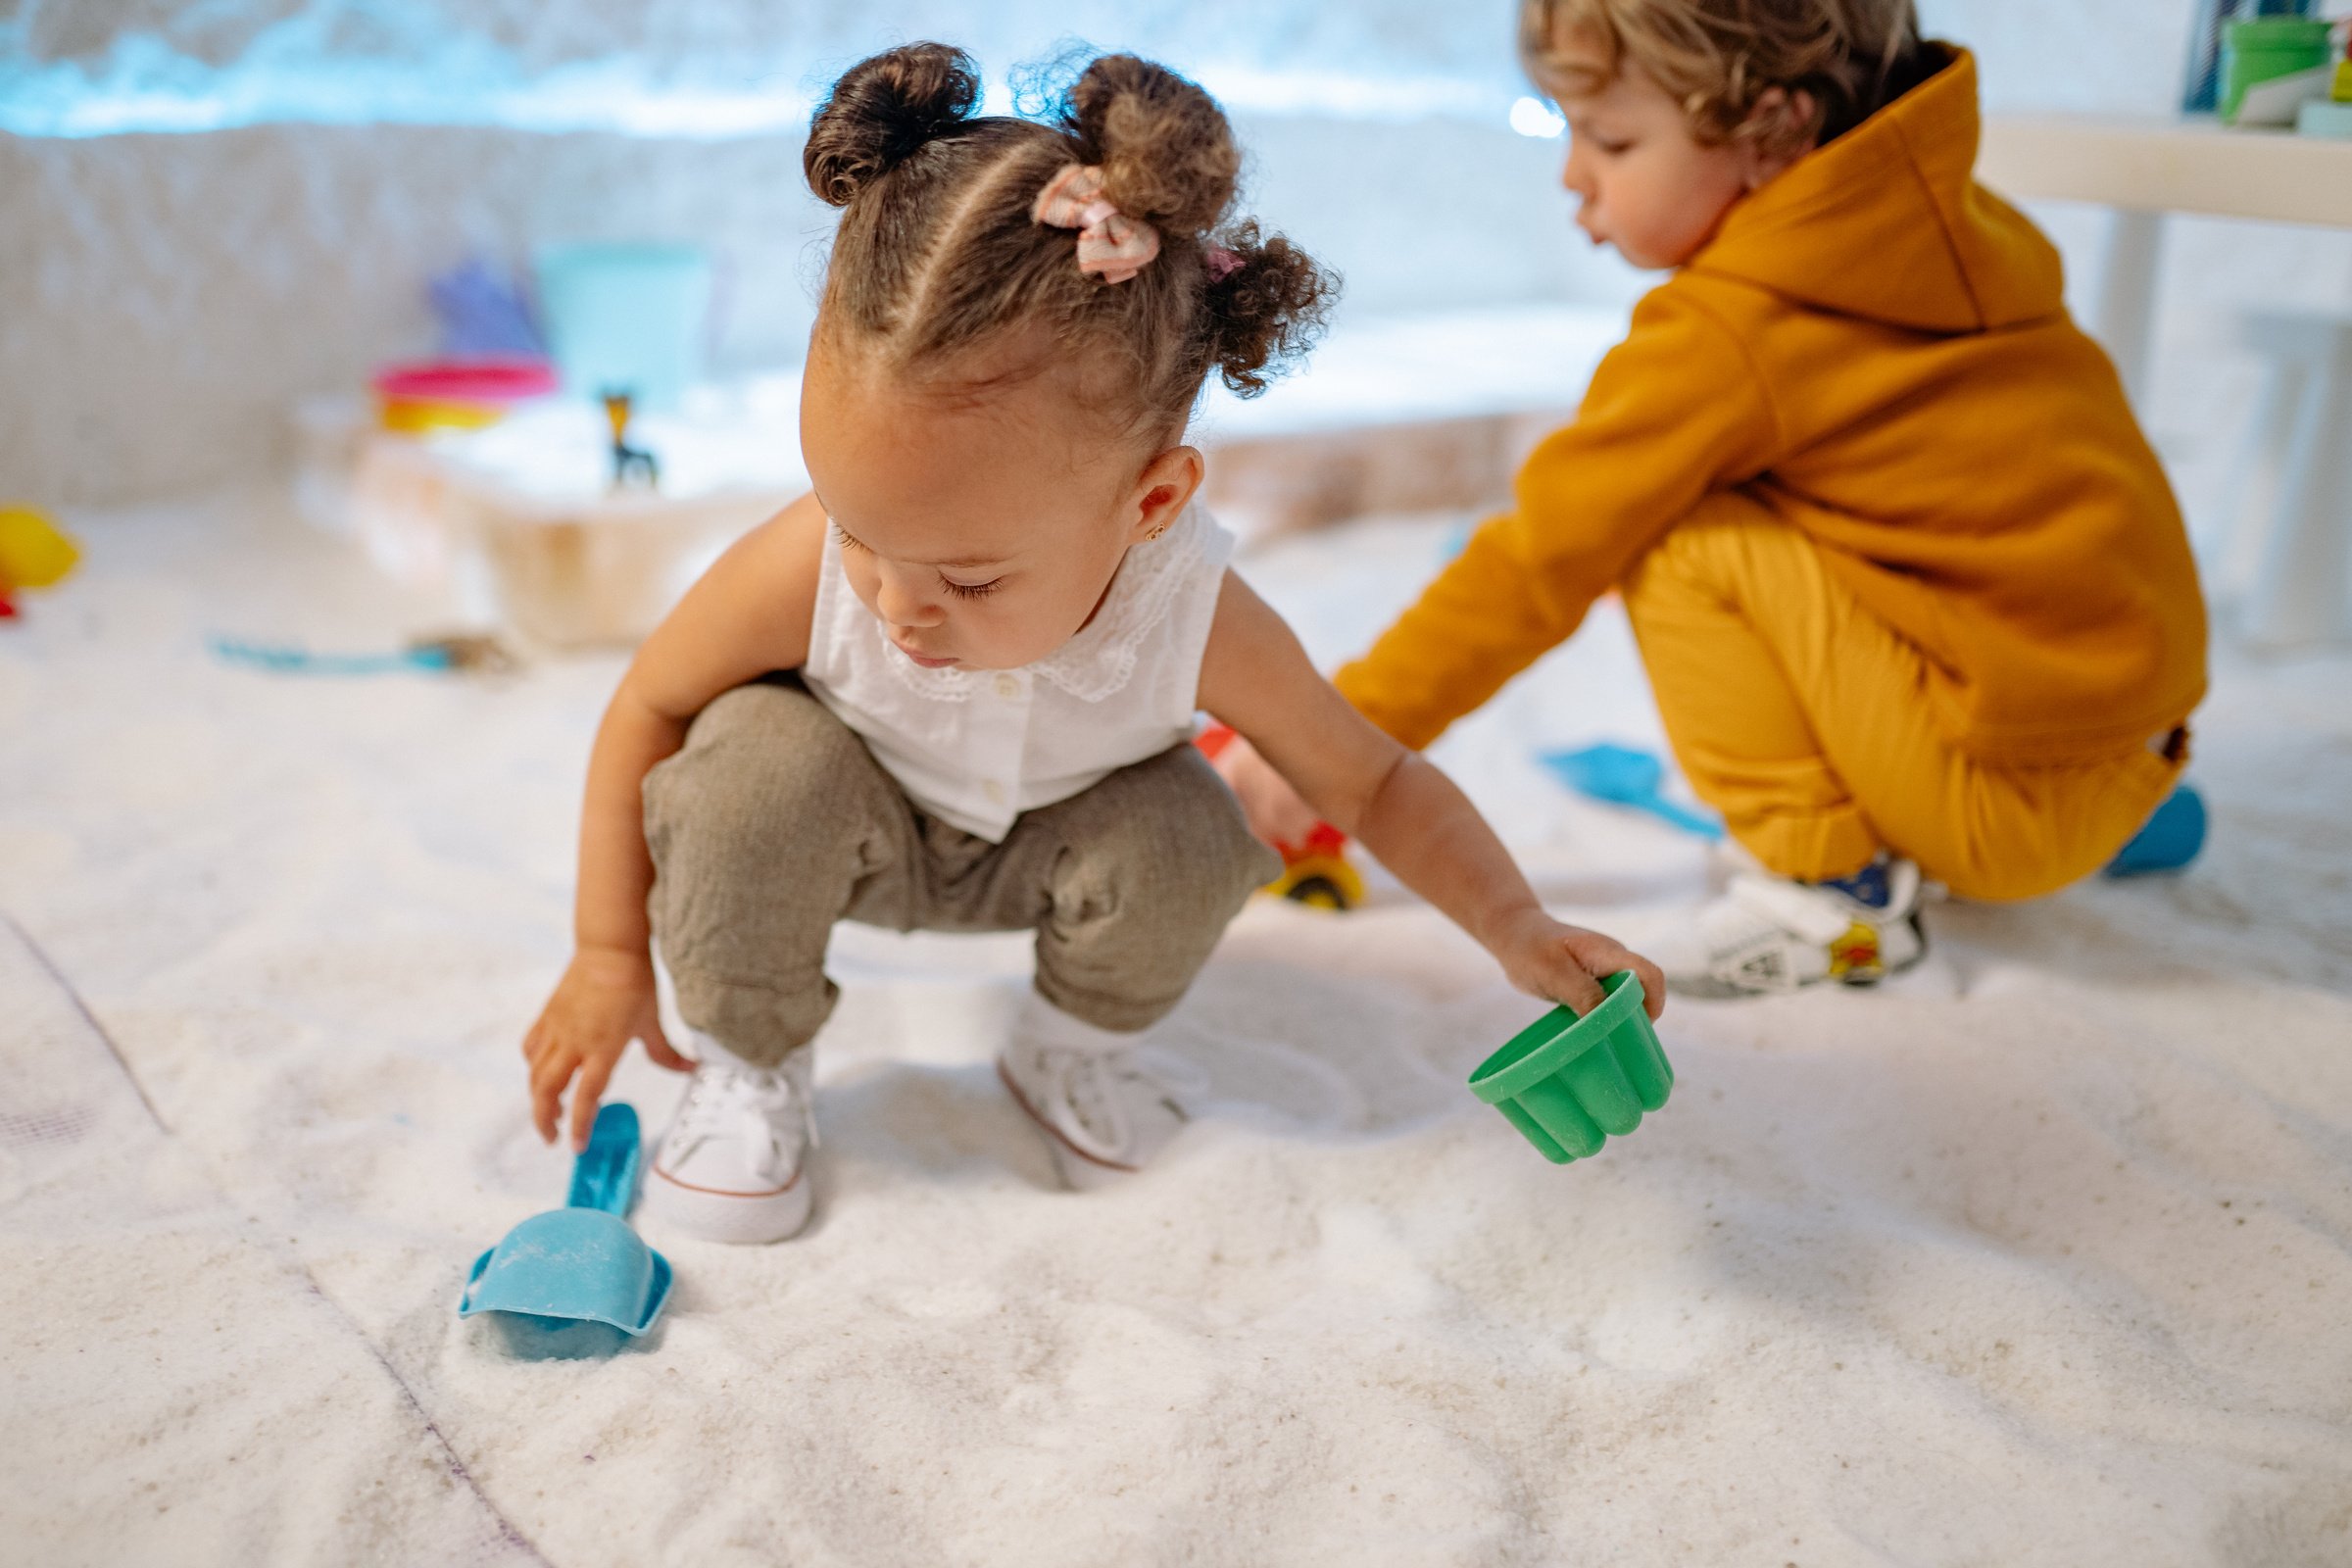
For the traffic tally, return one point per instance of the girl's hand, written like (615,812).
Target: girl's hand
(1565,964)
(605,1000)
(1277,812)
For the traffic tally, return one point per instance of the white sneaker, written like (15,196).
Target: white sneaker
(1104,1103)
(1767,933)
(734,1164)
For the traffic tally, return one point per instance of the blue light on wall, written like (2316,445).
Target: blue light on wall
(63,101)
(707,70)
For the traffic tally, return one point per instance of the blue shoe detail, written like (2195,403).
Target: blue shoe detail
(2171,839)
(1867,887)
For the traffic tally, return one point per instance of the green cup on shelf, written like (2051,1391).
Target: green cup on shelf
(2265,48)
(1571,1084)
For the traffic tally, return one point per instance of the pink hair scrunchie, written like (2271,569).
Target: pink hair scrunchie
(1111,244)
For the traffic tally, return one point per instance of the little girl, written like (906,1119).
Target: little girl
(955,687)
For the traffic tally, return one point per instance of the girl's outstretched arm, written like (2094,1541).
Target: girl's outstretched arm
(749,614)
(1257,678)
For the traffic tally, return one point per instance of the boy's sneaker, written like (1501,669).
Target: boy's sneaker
(734,1164)
(1103,1112)
(1767,933)
(2169,841)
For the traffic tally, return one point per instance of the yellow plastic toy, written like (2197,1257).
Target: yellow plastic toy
(34,554)
(1316,873)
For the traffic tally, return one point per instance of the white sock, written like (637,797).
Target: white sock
(1048,1025)
(704,1047)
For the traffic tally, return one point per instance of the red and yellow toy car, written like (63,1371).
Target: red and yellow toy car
(1315,872)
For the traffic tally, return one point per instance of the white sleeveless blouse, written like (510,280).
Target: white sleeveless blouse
(975,748)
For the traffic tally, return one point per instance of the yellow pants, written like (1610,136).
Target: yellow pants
(1805,720)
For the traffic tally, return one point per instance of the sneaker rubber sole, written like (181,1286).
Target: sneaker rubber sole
(1080,1171)
(749,1219)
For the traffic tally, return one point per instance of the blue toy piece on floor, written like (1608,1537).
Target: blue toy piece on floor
(580,1263)
(2173,837)
(1624,777)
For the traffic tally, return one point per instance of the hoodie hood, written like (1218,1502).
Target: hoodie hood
(1887,224)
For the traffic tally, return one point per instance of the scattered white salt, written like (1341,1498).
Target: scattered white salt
(2042,1258)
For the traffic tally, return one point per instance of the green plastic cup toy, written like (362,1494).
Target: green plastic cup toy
(1571,1084)
(2264,49)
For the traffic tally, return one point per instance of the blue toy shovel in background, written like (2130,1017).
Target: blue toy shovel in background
(1622,776)
(2171,840)
(580,1263)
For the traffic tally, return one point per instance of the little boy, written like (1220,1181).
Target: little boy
(1913,593)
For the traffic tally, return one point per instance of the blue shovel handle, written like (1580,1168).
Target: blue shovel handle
(604,1176)
(1682,816)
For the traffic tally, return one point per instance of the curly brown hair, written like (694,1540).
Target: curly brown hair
(936,254)
(1718,58)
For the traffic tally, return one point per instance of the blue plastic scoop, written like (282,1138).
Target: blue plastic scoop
(1622,776)
(580,1263)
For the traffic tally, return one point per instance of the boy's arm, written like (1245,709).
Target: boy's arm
(1674,412)
(1256,677)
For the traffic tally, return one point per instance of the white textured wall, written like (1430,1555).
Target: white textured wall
(587,62)
(165,297)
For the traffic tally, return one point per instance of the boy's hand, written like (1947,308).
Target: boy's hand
(1276,812)
(1564,963)
(605,1000)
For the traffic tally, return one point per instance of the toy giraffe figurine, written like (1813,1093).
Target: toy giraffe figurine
(628,461)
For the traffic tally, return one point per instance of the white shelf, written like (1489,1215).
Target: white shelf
(2169,166)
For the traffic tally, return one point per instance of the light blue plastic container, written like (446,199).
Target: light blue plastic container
(581,1263)
(632,318)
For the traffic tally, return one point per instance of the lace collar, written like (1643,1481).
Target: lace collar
(1098,661)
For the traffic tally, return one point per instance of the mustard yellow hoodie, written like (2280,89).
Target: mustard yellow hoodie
(1875,348)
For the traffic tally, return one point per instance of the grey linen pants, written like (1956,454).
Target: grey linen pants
(774,821)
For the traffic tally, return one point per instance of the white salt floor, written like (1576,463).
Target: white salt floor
(2042,1255)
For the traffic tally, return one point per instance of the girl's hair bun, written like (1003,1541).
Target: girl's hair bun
(1269,307)
(881,113)
(1167,154)
(940,268)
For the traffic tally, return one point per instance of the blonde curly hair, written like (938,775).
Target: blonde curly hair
(1719,58)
